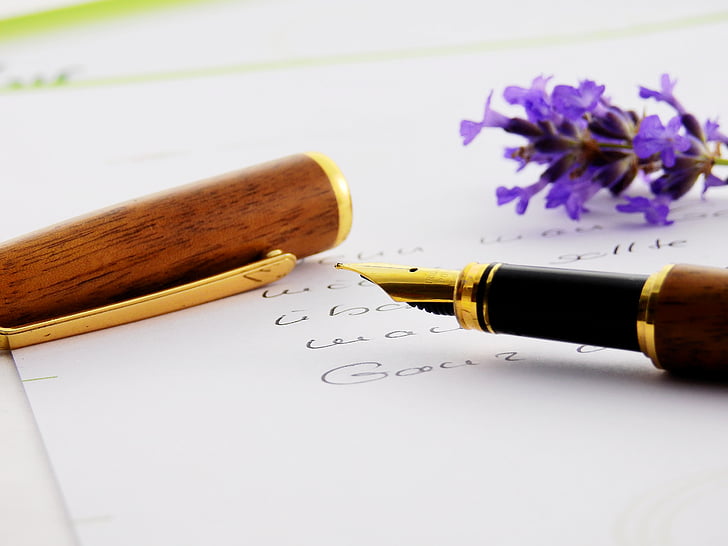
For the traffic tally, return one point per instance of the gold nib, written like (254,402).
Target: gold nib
(410,284)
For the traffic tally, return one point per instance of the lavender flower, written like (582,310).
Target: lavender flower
(588,144)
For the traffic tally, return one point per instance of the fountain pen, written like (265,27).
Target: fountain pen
(677,316)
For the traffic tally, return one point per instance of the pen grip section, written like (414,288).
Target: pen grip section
(171,238)
(688,320)
(586,307)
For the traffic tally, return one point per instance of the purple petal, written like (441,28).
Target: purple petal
(567,101)
(470,129)
(573,195)
(710,181)
(557,195)
(534,99)
(711,129)
(668,157)
(575,207)
(673,126)
(506,195)
(634,204)
(517,154)
(653,138)
(522,204)
(713,133)
(491,118)
(647,141)
(573,103)
(591,92)
(655,210)
(664,94)
(514,94)
(657,215)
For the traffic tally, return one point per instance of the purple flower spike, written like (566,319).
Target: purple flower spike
(585,144)
(470,129)
(664,94)
(655,210)
(653,138)
(533,99)
(572,102)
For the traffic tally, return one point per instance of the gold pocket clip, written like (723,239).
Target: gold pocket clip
(275,265)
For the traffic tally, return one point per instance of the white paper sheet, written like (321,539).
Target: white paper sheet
(317,411)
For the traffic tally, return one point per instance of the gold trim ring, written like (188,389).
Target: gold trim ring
(466,296)
(341,191)
(646,313)
(486,292)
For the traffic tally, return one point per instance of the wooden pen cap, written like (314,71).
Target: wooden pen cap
(299,205)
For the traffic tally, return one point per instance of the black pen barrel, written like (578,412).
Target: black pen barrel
(585,307)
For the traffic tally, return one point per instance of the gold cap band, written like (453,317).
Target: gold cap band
(646,313)
(341,191)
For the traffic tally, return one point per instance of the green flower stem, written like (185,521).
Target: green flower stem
(610,145)
(716,160)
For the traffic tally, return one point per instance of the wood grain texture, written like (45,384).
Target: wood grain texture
(691,320)
(168,238)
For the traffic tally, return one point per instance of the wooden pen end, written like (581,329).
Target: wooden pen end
(684,320)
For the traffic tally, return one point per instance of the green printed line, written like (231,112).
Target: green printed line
(41,378)
(79,14)
(643,29)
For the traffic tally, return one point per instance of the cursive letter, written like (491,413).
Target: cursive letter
(334,342)
(347,375)
(280,320)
